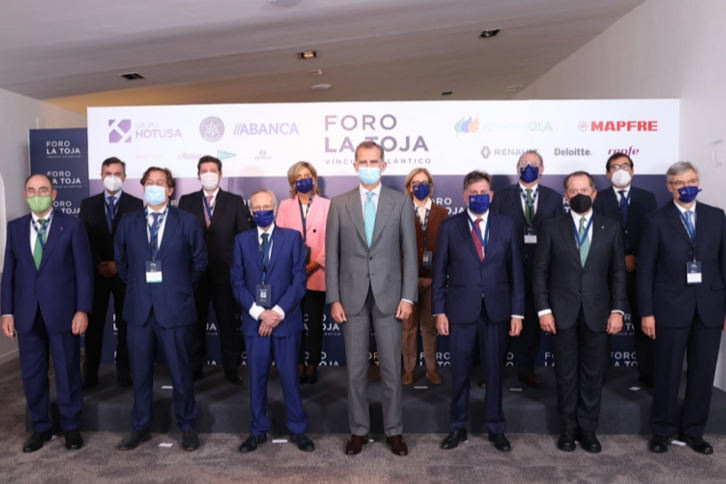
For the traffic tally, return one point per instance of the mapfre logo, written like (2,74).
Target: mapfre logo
(619,126)
(467,125)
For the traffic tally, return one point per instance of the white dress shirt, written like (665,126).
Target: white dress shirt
(255,311)
(150,222)
(535,196)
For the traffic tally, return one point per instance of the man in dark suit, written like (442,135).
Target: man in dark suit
(528,203)
(579,290)
(681,279)
(160,255)
(478,293)
(268,278)
(371,275)
(47,292)
(630,206)
(223,215)
(101,214)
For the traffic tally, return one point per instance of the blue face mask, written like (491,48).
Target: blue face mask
(688,194)
(421,191)
(529,173)
(154,194)
(264,218)
(304,185)
(369,175)
(479,203)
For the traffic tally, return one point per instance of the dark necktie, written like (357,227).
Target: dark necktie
(529,207)
(477,239)
(265,248)
(689,225)
(623,207)
(155,232)
(110,211)
(207,209)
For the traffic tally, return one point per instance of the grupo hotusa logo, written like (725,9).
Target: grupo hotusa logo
(266,128)
(124,131)
(503,151)
(344,132)
(119,131)
(467,125)
(61,149)
(619,126)
(211,128)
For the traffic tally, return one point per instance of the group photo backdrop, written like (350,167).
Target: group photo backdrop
(257,143)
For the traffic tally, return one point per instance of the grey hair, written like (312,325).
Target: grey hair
(679,168)
(269,192)
(531,152)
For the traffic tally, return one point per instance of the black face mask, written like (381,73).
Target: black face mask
(580,203)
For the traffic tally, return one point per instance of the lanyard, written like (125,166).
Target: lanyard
(424,225)
(207,207)
(304,217)
(154,231)
(582,240)
(40,233)
(475,228)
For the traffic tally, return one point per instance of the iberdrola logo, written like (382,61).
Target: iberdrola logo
(467,125)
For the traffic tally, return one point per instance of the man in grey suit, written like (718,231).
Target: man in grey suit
(371,275)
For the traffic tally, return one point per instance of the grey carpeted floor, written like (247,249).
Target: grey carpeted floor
(534,458)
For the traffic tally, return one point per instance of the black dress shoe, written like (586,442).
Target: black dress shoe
(198,374)
(252,442)
(698,444)
(500,442)
(89,381)
(658,444)
(74,441)
(124,380)
(311,374)
(588,441)
(190,440)
(303,442)
(36,440)
(566,442)
(454,438)
(232,376)
(531,380)
(132,440)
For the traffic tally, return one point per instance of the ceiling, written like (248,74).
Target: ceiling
(71,52)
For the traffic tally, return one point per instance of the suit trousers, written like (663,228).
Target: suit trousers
(700,345)
(356,335)
(526,346)
(491,341)
(421,314)
(259,356)
(643,344)
(176,345)
(65,349)
(103,287)
(311,345)
(227,311)
(580,364)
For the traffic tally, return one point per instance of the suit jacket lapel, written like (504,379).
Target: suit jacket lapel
(465,233)
(674,218)
(24,239)
(355,213)
(278,244)
(596,237)
(171,229)
(383,213)
(219,204)
(567,228)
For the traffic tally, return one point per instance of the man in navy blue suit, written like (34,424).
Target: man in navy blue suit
(630,206)
(268,280)
(478,293)
(160,255)
(528,203)
(681,279)
(47,293)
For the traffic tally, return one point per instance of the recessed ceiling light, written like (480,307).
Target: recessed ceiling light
(131,76)
(284,3)
(321,87)
(447,93)
(514,88)
(317,72)
(489,33)
(307,54)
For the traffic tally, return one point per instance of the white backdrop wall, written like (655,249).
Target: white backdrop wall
(19,114)
(662,48)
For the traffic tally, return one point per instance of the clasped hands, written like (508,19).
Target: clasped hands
(269,320)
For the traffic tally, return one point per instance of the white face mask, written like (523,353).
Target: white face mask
(112,183)
(621,178)
(210,180)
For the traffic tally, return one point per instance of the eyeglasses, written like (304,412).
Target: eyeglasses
(622,166)
(681,183)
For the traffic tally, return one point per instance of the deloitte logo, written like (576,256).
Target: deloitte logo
(467,125)
(211,128)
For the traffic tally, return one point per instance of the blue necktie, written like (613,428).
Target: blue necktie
(110,211)
(265,248)
(689,225)
(623,207)
(370,218)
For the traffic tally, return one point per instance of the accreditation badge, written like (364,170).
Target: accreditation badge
(263,295)
(153,272)
(693,272)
